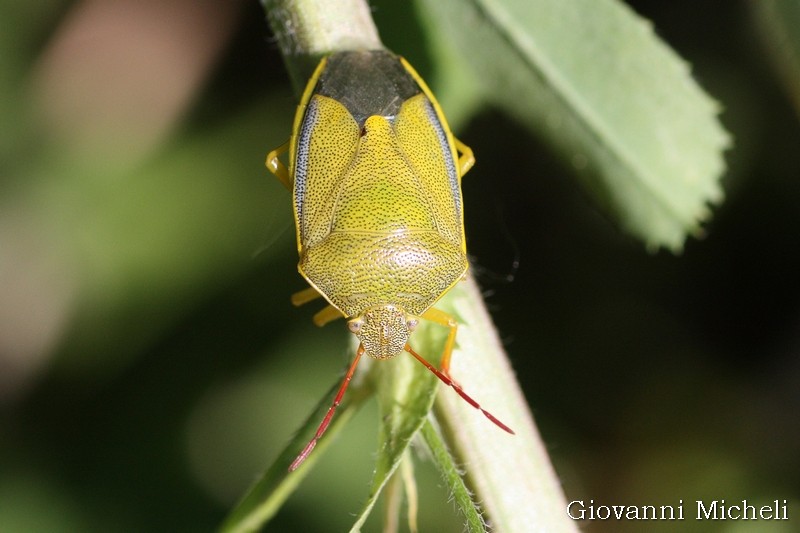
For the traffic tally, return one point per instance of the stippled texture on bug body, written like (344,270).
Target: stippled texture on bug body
(377,195)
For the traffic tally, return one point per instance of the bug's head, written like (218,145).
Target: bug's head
(383,330)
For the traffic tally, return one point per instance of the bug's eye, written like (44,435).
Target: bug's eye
(412,323)
(355,325)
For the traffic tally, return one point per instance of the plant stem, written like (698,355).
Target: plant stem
(510,474)
(306,30)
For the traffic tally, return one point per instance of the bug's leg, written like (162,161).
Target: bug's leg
(466,160)
(276,167)
(332,409)
(443,319)
(328,314)
(303,297)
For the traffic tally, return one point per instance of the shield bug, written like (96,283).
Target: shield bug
(375,175)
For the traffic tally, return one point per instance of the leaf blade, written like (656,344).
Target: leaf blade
(605,92)
(265,497)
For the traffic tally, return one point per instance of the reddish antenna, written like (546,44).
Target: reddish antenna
(447,381)
(349,376)
(332,409)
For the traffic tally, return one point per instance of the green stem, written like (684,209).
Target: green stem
(306,30)
(511,474)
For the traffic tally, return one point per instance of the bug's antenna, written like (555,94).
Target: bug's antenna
(447,381)
(332,409)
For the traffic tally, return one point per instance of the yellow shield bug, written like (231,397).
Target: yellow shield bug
(375,175)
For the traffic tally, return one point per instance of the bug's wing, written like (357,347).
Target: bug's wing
(326,145)
(378,207)
(422,139)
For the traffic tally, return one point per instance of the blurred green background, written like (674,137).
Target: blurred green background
(151,364)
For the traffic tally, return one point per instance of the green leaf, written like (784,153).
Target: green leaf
(405,390)
(592,79)
(779,22)
(266,496)
(450,474)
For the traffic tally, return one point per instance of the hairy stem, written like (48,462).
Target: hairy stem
(306,30)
